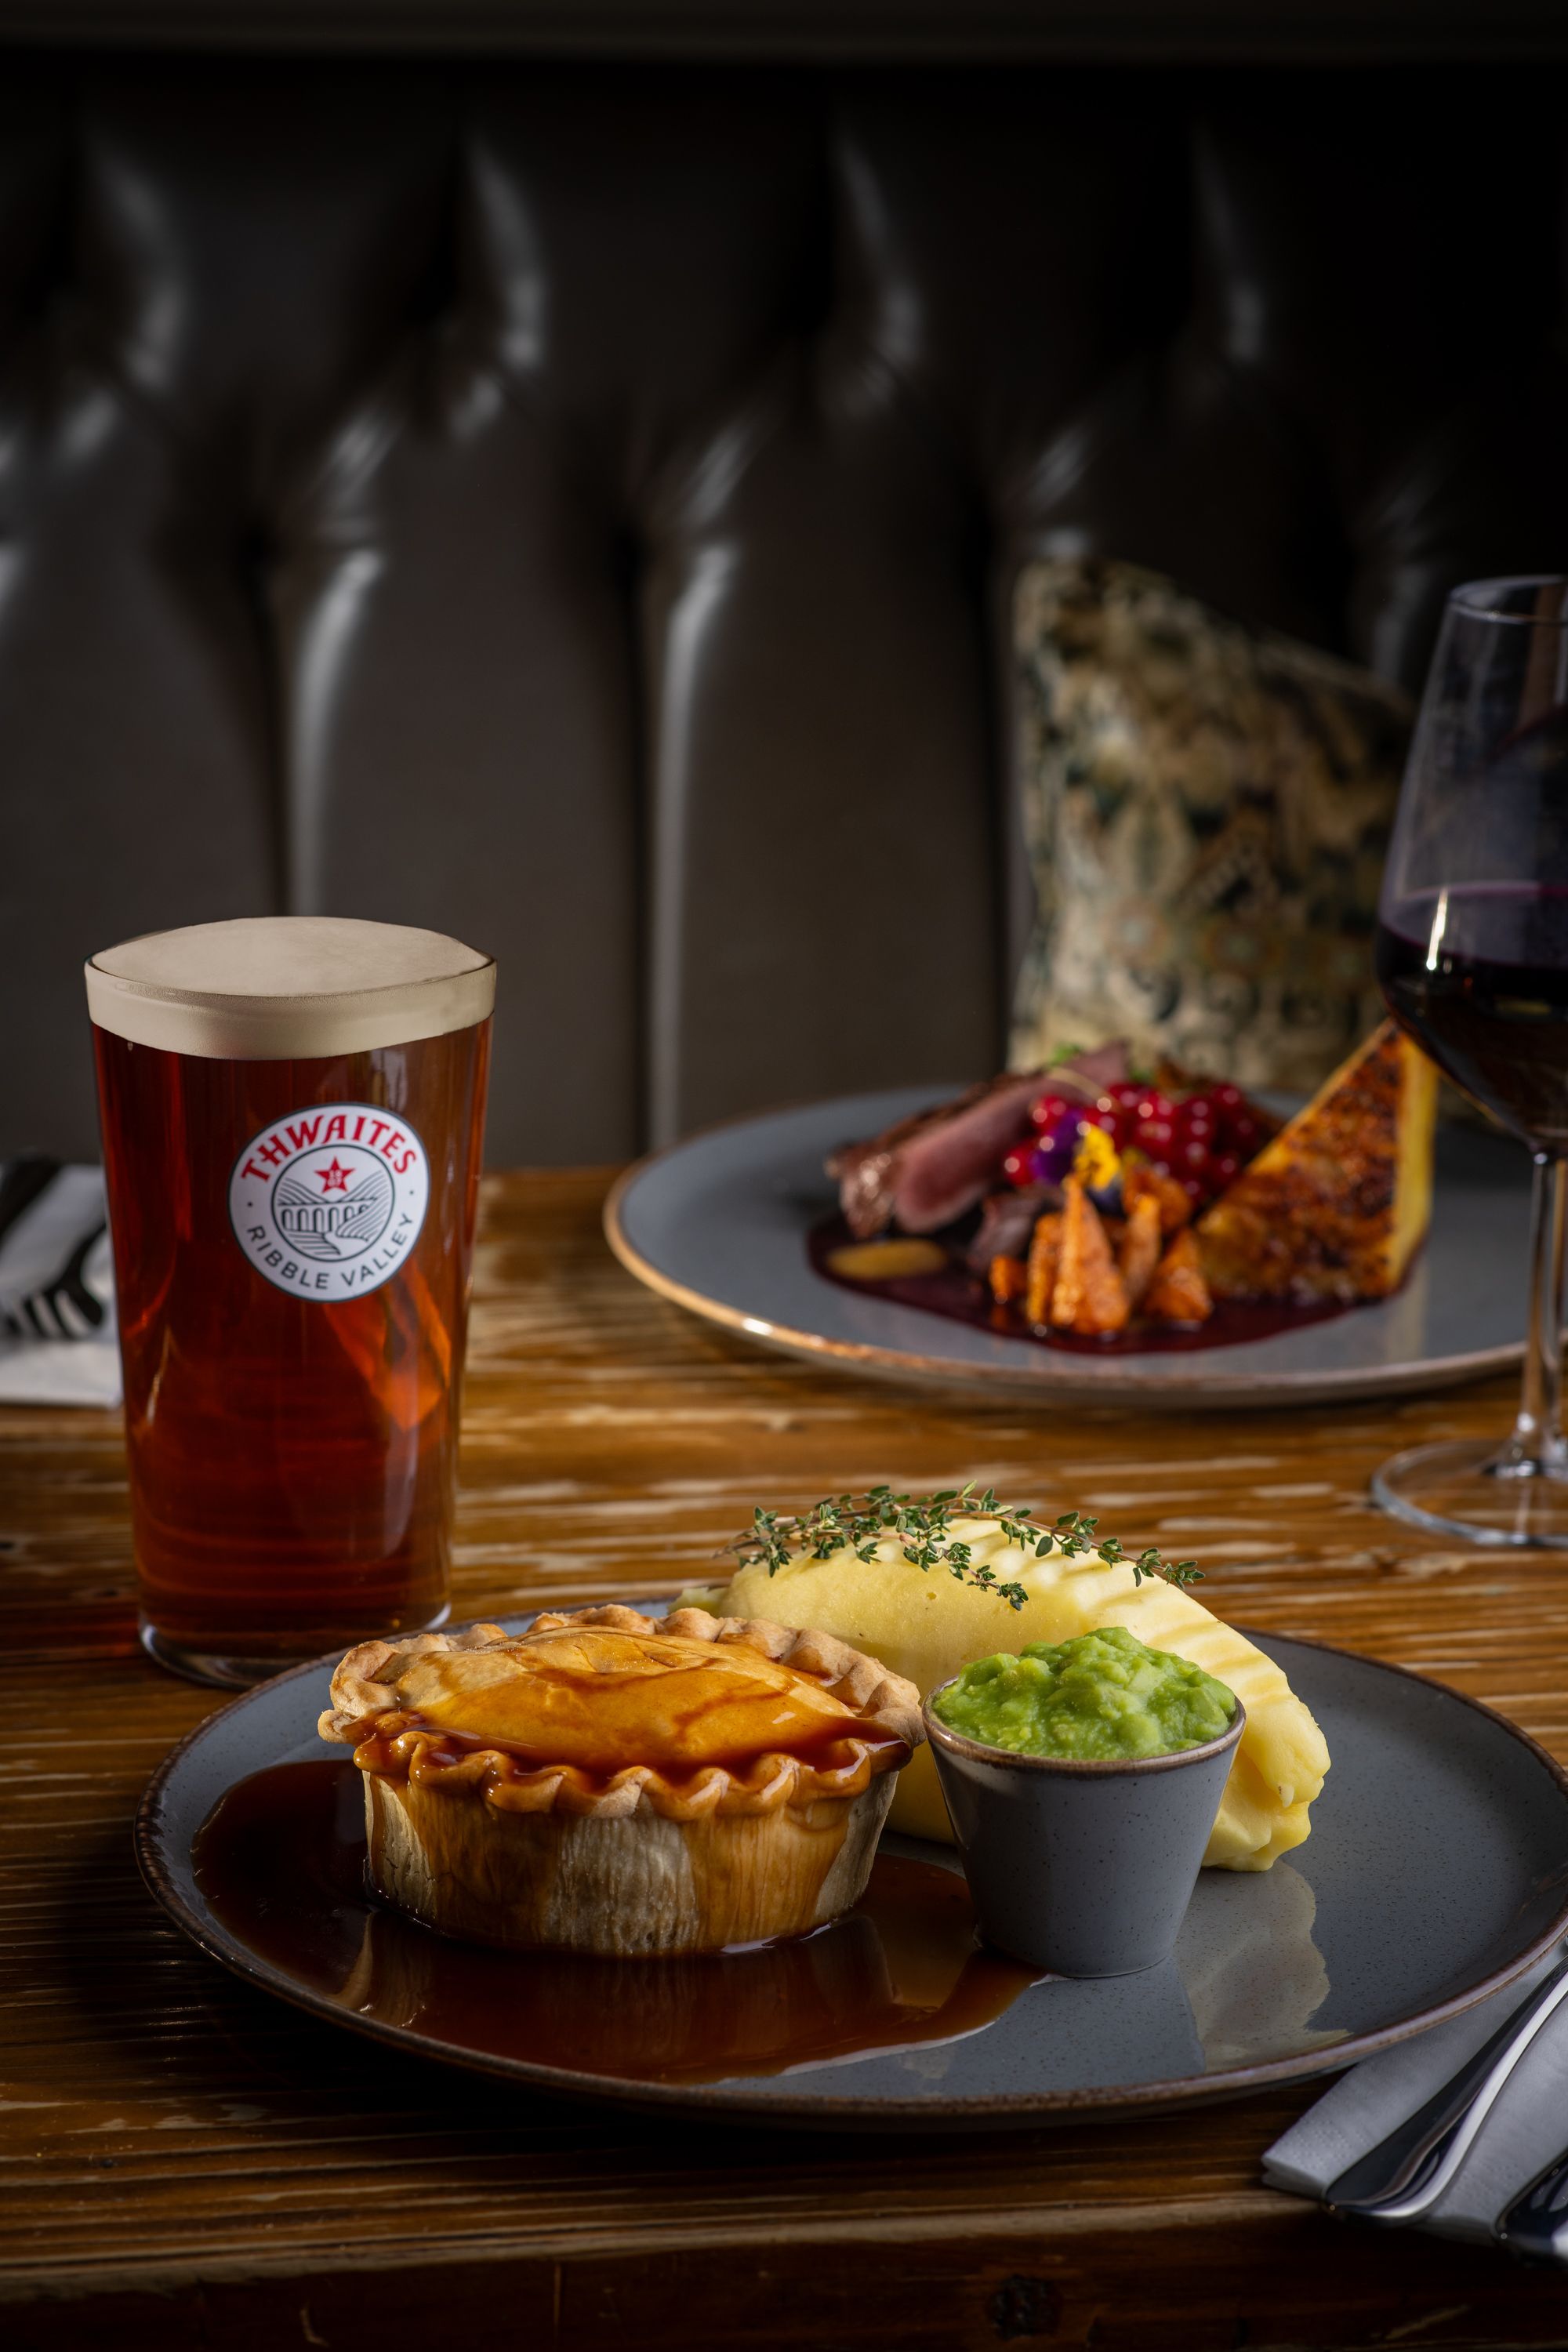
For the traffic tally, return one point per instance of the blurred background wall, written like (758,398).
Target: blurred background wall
(573,501)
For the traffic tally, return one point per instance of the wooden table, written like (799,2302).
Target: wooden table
(189,2163)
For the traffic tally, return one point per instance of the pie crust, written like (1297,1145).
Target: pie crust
(608,1853)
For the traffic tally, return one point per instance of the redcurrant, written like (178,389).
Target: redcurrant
(1048,1109)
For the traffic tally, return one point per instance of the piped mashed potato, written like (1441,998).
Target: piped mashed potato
(927,1625)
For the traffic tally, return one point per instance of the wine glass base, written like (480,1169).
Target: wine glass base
(1477,1492)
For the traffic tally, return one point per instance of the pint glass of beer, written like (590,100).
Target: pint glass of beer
(292,1113)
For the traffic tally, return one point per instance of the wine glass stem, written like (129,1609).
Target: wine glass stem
(1536,1448)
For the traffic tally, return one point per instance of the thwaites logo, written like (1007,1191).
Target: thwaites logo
(328,1202)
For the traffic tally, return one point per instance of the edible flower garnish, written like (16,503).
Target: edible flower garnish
(1097,1161)
(923,1526)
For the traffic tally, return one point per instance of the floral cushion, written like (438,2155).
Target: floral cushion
(1207,808)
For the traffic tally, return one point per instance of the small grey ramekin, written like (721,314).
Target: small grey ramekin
(1082,1868)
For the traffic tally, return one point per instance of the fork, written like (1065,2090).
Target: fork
(1403,2178)
(1537,2222)
(68,1289)
(66,1306)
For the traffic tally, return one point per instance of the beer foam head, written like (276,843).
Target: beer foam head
(288,988)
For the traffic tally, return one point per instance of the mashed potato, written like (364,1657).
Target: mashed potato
(927,1625)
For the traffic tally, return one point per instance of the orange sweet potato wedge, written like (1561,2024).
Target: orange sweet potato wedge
(1045,1256)
(1142,1183)
(1008,1277)
(1089,1297)
(1139,1249)
(1178,1293)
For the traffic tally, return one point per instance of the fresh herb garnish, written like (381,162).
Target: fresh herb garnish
(923,1528)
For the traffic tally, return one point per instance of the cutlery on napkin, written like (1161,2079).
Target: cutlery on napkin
(1537,2223)
(57,1342)
(1461,2130)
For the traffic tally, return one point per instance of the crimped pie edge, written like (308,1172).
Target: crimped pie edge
(364,1691)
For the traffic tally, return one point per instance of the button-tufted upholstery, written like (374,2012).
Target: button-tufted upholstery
(575,507)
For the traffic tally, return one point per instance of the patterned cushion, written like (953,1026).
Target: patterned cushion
(1207,808)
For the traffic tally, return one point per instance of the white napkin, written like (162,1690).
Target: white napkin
(34,1249)
(1525,2132)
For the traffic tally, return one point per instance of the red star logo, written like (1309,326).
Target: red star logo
(333,1179)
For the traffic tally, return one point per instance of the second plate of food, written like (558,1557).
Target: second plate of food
(729,1226)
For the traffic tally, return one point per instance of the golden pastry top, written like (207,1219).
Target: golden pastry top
(605,1709)
(601,1698)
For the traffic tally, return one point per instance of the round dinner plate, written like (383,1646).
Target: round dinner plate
(1437,1871)
(718,1223)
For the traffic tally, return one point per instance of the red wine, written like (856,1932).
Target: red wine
(1479,975)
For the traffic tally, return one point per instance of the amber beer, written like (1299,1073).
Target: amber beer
(292,1112)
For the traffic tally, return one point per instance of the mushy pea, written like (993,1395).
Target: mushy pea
(1104,1696)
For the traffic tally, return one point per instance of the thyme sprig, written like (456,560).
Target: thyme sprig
(923,1526)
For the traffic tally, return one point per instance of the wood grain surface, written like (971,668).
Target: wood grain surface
(187,2162)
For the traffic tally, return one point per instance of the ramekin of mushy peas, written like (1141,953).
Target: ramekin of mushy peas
(1104,1696)
(1083,1778)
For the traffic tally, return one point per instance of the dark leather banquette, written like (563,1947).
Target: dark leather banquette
(575,505)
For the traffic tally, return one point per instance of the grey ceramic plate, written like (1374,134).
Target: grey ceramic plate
(718,1224)
(1437,1870)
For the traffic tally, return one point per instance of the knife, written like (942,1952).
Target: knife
(1404,2175)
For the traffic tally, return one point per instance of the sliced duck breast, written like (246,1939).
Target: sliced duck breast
(928,1169)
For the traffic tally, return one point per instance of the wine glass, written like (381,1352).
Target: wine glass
(1472,957)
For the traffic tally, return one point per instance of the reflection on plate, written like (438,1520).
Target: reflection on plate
(721,1224)
(1254,1976)
(1437,1870)
(280,1861)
